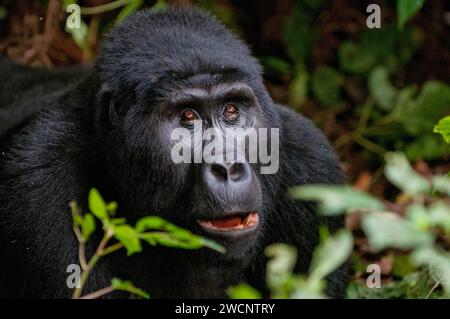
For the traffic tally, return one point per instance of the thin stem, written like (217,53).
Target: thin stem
(99,293)
(112,248)
(433,289)
(369,145)
(92,262)
(105,7)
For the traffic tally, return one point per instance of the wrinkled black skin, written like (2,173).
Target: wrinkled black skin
(57,141)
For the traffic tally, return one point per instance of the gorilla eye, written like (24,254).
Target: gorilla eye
(231,112)
(189,116)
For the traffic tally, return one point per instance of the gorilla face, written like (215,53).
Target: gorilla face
(222,196)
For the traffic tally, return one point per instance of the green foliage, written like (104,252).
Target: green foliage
(283,283)
(423,232)
(151,229)
(443,128)
(326,86)
(406,9)
(128,286)
(336,199)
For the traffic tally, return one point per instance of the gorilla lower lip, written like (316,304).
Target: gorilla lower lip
(233,223)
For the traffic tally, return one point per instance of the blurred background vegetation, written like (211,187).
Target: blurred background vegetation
(372,91)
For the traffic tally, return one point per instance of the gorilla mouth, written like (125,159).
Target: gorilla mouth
(236,222)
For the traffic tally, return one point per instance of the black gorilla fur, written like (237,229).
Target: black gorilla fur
(57,141)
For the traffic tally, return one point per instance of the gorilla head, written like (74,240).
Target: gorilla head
(156,78)
(118,129)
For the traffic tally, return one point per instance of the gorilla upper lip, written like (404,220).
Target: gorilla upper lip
(232,223)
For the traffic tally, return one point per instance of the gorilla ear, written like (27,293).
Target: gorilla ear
(114,105)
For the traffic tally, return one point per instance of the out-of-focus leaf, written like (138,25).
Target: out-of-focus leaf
(87,226)
(128,236)
(427,147)
(438,261)
(326,85)
(276,65)
(336,199)
(129,9)
(355,59)
(400,173)
(243,291)
(298,89)
(442,184)
(386,230)
(402,266)
(381,88)
(128,286)
(3,13)
(97,205)
(280,266)
(443,128)
(406,9)
(440,215)
(419,115)
(331,254)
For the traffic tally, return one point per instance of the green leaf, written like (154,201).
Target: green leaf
(438,261)
(427,147)
(276,65)
(243,291)
(406,9)
(3,13)
(355,59)
(387,230)
(298,89)
(173,235)
(381,88)
(128,286)
(326,86)
(331,254)
(97,205)
(129,9)
(336,199)
(280,266)
(419,115)
(87,226)
(128,237)
(441,184)
(443,128)
(400,173)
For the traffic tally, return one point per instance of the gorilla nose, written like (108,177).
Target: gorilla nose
(227,173)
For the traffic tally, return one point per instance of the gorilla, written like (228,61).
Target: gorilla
(63,132)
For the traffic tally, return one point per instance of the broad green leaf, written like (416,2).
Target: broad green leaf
(243,291)
(276,65)
(443,128)
(400,173)
(427,147)
(326,86)
(420,216)
(386,230)
(441,184)
(440,215)
(335,199)
(331,254)
(420,114)
(381,88)
(111,208)
(128,237)
(87,226)
(355,58)
(438,261)
(97,205)
(406,9)
(128,286)
(280,266)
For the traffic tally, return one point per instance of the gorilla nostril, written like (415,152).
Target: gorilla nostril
(236,171)
(219,171)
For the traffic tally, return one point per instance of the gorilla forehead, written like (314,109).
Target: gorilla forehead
(180,42)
